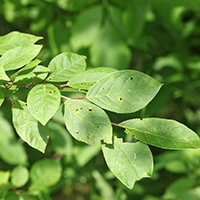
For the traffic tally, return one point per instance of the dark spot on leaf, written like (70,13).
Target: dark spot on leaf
(120,99)
(88,136)
(25,104)
(77,109)
(54,91)
(97,126)
(148,136)
(143,131)
(36,110)
(90,109)
(131,78)
(49,78)
(13,103)
(81,83)
(77,132)
(50,92)
(102,88)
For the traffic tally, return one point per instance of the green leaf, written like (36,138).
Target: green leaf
(65,66)
(124,91)
(28,66)
(15,39)
(45,173)
(4,177)
(43,101)
(1,97)
(19,176)
(129,162)
(28,128)
(19,56)
(87,122)
(41,69)
(11,150)
(163,133)
(3,75)
(85,80)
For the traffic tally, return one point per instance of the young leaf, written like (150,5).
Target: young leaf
(19,56)
(85,80)
(124,91)
(3,75)
(129,162)
(87,122)
(65,66)
(43,101)
(45,173)
(28,128)
(28,66)
(163,133)
(15,39)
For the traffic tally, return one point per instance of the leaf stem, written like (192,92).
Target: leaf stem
(115,124)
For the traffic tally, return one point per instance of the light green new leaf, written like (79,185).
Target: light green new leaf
(15,39)
(45,173)
(3,75)
(28,66)
(28,128)
(65,66)
(19,56)
(43,102)
(1,97)
(129,162)
(87,122)
(124,91)
(164,133)
(86,79)
(4,177)
(19,176)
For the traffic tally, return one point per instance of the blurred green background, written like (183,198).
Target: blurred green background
(159,38)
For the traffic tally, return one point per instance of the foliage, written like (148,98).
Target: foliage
(158,38)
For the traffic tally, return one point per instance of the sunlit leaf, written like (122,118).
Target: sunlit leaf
(129,162)
(164,133)
(19,56)
(3,75)
(43,101)
(124,91)
(15,39)
(65,66)
(28,128)
(87,122)
(85,80)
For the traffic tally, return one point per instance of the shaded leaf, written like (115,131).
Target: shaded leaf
(19,56)
(19,176)
(87,122)
(11,150)
(28,128)
(164,133)
(129,162)
(65,66)
(45,173)
(124,91)
(43,101)
(15,39)
(85,80)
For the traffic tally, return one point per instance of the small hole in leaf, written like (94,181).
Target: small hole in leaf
(49,78)
(120,98)
(25,104)
(50,92)
(81,108)
(90,109)
(77,132)
(131,78)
